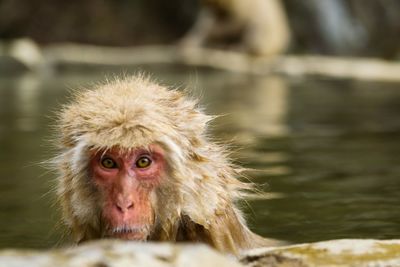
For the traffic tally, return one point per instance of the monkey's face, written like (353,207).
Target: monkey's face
(126,181)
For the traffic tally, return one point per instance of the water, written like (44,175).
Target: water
(327,151)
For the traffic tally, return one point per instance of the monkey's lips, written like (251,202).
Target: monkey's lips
(139,233)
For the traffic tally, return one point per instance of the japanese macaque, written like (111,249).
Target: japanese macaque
(136,163)
(257,27)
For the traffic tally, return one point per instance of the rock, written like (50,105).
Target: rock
(20,55)
(113,253)
(27,52)
(335,253)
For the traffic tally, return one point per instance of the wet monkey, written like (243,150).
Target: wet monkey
(135,163)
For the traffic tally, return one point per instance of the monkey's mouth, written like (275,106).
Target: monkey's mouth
(129,232)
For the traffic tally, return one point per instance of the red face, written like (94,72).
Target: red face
(127,181)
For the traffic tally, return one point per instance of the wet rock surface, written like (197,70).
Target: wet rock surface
(346,252)
(113,253)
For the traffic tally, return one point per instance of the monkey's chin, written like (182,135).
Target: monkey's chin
(131,236)
(129,233)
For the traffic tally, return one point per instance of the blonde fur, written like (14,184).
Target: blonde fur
(197,200)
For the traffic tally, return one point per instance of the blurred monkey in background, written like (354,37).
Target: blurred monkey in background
(257,27)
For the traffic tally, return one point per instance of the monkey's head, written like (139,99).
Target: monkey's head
(136,164)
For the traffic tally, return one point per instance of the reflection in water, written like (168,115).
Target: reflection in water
(267,107)
(27,94)
(255,108)
(265,115)
(330,148)
(262,102)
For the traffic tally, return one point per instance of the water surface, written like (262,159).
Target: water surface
(327,150)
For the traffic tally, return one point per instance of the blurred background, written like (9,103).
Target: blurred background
(333,27)
(325,148)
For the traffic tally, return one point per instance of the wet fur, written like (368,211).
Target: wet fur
(197,200)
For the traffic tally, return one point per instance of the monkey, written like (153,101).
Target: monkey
(136,162)
(256,27)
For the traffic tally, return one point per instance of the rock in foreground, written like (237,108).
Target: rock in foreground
(335,253)
(113,253)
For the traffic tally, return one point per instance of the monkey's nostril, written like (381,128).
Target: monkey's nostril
(124,208)
(119,208)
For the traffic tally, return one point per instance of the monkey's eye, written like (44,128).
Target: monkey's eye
(143,162)
(108,163)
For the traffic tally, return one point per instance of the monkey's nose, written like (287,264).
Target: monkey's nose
(124,207)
